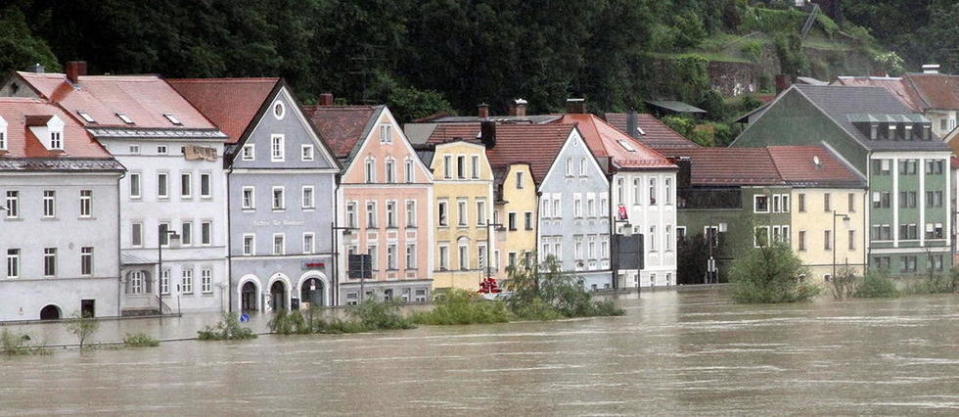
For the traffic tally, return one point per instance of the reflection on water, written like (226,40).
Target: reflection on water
(685,353)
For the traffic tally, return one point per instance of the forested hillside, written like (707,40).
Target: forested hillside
(432,55)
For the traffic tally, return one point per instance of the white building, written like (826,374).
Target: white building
(174,183)
(58,216)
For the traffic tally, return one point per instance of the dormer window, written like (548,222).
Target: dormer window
(86,116)
(56,140)
(892,131)
(172,119)
(48,129)
(873,131)
(926,132)
(908,134)
(3,135)
(626,145)
(126,119)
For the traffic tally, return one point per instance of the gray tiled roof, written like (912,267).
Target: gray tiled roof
(71,165)
(841,102)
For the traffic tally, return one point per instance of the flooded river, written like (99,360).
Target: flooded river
(674,353)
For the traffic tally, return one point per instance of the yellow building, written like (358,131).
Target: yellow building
(462,206)
(516,204)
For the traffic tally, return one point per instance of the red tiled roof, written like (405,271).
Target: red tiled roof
(937,91)
(731,166)
(895,85)
(230,103)
(22,143)
(536,145)
(657,134)
(606,141)
(341,126)
(797,165)
(143,98)
(445,132)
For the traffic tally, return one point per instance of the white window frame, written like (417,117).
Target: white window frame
(370,170)
(206,233)
(186,280)
(308,202)
(51,255)
(410,213)
(86,204)
(249,250)
(163,184)
(444,257)
(136,234)
(282,199)
(410,173)
(206,280)
(136,185)
(282,246)
(186,233)
(372,214)
(443,213)
(474,167)
(277,148)
(86,261)
(309,243)
(386,135)
(351,214)
(208,179)
(756,203)
(13,263)
(411,255)
(248,152)
(248,204)
(462,213)
(186,178)
(49,204)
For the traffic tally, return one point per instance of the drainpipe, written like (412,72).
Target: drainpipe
(609,217)
(229,244)
(119,250)
(335,248)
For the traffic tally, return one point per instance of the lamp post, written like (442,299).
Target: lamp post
(163,232)
(498,227)
(623,217)
(845,218)
(336,252)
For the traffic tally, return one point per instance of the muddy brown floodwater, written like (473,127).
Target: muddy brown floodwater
(674,353)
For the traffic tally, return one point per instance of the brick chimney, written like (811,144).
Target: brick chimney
(482,111)
(632,123)
(488,133)
(576,105)
(518,108)
(75,69)
(326,99)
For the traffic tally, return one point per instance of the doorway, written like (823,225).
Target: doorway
(50,312)
(278,296)
(88,308)
(312,292)
(248,297)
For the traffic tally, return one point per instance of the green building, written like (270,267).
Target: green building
(907,167)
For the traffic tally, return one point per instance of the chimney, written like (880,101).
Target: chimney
(632,124)
(488,133)
(518,108)
(930,69)
(685,175)
(482,111)
(75,69)
(576,105)
(782,83)
(326,99)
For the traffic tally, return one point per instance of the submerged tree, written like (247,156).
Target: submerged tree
(770,274)
(83,327)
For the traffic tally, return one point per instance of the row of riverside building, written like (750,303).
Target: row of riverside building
(131,195)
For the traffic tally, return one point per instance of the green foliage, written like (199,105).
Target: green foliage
(766,20)
(770,274)
(140,340)
(792,59)
(83,327)
(844,284)
(380,315)
(369,316)
(227,329)
(463,307)
(934,284)
(12,344)
(537,289)
(876,285)
(19,46)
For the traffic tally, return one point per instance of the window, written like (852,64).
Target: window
(391,214)
(785,203)
(351,214)
(481,256)
(410,213)
(461,167)
(578,247)
(582,167)
(652,239)
(761,236)
(668,184)
(3,137)
(909,263)
(761,204)
(481,215)
(172,119)
(410,256)
(186,281)
(12,204)
(680,233)
(162,186)
(519,180)
(391,256)
(637,191)
(206,233)
(907,199)
(474,166)
(56,140)
(205,186)
(577,205)
(852,202)
(279,199)
(385,135)
(528,217)
(186,185)
(590,206)
(186,233)
(802,240)
(852,240)
(669,238)
(126,119)
(826,204)
(390,171)
(161,150)
(802,202)
(557,205)
(136,235)
(279,244)
(512,259)
(827,239)
(86,261)
(136,282)
(309,244)
(569,167)
(249,198)
(370,171)
(134,149)
(249,244)
(248,153)
(49,203)
(933,199)
(547,203)
(277,148)
(371,214)
(776,206)
(652,191)
(13,263)
(307,199)
(206,280)
(49,262)
(443,213)
(410,176)
(444,258)
(511,221)
(134,185)
(447,166)
(461,211)
(464,257)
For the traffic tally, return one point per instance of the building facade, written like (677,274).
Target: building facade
(517,213)
(281,182)
(54,178)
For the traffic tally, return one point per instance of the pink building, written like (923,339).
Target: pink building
(384,199)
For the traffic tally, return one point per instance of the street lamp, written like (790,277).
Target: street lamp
(163,232)
(336,252)
(845,218)
(623,217)
(498,227)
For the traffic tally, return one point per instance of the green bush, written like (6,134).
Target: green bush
(380,315)
(228,329)
(934,284)
(770,274)
(544,291)
(463,307)
(366,317)
(13,344)
(876,285)
(140,340)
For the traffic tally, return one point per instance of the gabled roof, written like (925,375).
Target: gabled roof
(26,152)
(653,132)
(731,166)
(812,166)
(144,99)
(605,140)
(894,85)
(675,106)
(536,145)
(449,131)
(230,103)
(343,127)
(936,91)
(840,102)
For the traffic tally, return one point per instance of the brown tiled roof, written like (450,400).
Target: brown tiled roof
(655,133)
(606,141)
(230,103)
(936,91)
(895,85)
(342,127)
(798,166)
(143,98)
(536,145)
(22,143)
(445,132)
(731,166)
